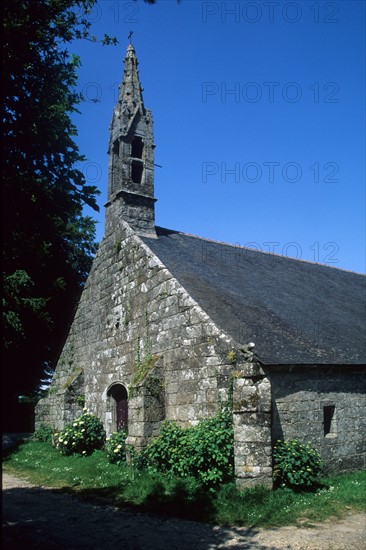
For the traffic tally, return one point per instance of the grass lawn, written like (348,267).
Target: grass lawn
(93,477)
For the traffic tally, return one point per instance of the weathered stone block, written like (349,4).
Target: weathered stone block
(251,395)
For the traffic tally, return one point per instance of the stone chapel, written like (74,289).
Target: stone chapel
(169,324)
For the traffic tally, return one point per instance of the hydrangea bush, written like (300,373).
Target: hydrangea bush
(204,452)
(82,436)
(296,465)
(115,447)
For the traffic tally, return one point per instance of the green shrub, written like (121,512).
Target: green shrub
(44,433)
(115,447)
(204,452)
(296,465)
(83,436)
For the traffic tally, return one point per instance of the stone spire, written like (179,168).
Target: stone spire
(131,156)
(130,93)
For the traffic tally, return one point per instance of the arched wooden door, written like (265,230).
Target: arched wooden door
(119,407)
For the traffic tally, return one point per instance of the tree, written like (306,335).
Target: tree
(48,243)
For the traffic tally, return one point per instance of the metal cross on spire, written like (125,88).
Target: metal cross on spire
(130,37)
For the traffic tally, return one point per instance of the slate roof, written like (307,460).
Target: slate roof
(295,312)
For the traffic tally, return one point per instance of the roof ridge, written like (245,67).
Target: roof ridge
(261,251)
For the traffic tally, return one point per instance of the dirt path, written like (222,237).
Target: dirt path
(43,518)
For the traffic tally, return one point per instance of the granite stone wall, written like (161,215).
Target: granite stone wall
(325,406)
(137,326)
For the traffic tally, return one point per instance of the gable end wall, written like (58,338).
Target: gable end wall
(136,325)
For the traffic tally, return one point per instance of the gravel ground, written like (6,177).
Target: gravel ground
(44,518)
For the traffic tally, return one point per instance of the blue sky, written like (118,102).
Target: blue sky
(259,119)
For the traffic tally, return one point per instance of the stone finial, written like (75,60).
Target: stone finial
(131,90)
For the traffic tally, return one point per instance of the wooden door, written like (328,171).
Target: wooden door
(122,412)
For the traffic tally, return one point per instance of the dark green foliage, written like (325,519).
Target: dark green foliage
(204,452)
(115,447)
(83,436)
(296,465)
(48,242)
(44,434)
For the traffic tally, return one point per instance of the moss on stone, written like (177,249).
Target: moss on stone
(72,377)
(144,367)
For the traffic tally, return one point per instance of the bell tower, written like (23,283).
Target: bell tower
(131,156)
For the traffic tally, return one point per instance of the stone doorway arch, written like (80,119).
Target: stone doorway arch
(117,398)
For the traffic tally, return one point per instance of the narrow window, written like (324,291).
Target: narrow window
(329,421)
(137,147)
(116,148)
(136,171)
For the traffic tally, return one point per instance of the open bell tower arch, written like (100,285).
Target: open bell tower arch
(131,156)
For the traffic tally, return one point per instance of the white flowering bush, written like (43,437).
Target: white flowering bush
(116,447)
(82,436)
